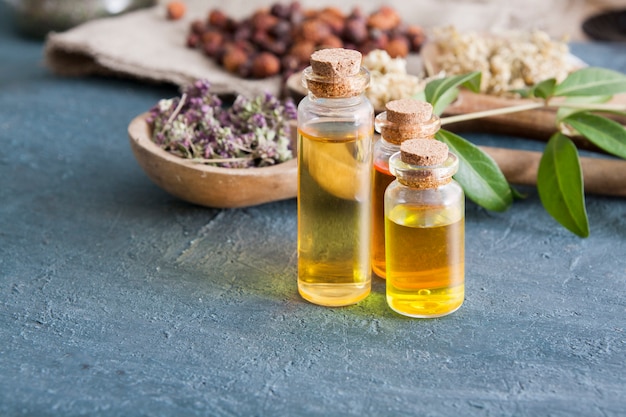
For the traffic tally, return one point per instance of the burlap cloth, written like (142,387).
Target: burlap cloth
(145,45)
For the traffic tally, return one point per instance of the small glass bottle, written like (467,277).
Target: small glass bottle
(425,231)
(402,119)
(335,131)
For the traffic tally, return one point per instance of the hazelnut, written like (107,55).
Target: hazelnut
(335,20)
(243,33)
(260,38)
(212,42)
(398,47)
(282,29)
(277,47)
(390,12)
(282,11)
(266,42)
(262,20)
(212,49)
(265,64)
(310,13)
(218,19)
(175,10)
(335,11)
(296,16)
(245,46)
(414,30)
(302,51)
(314,30)
(385,18)
(416,37)
(356,13)
(233,58)
(355,31)
(212,36)
(198,27)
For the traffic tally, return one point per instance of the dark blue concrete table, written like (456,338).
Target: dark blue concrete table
(116,299)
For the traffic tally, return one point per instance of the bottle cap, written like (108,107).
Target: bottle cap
(336,62)
(406,119)
(408,111)
(335,73)
(423,152)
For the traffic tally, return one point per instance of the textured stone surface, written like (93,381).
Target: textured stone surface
(117,299)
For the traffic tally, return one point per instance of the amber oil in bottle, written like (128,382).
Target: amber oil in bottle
(402,119)
(425,231)
(335,131)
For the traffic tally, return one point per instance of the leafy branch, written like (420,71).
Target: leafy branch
(579,100)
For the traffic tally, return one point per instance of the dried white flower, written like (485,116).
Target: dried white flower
(509,61)
(389,79)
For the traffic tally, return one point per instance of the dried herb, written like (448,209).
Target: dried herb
(253,132)
(559,176)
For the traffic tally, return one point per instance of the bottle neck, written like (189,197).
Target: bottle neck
(396,133)
(387,146)
(423,177)
(347,87)
(337,102)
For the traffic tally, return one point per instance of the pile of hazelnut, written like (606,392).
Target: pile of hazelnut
(281,39)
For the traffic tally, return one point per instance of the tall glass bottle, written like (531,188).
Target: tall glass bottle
(335,131)
(425,231)
(402,119)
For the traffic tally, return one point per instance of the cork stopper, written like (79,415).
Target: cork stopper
(336,62)
(336,73)
(424,152)
(408,111)
(407,119)
(423,164)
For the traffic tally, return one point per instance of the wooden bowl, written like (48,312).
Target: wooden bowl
(207,185)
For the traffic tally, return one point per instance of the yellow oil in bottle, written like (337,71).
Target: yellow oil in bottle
(425,260)
(382,178)
(334,215)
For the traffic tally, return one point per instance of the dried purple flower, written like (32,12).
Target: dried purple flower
(251,133)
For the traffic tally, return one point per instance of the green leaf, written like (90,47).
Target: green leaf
(592,81)
(605,133)
(517,195)
(560,185)
(544,89)
(564,111)
(445,100)
(479,175)
(523,92)
(438,92)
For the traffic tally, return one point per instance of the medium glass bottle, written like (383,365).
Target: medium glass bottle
(402,119)
(425,231)
(335,131)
